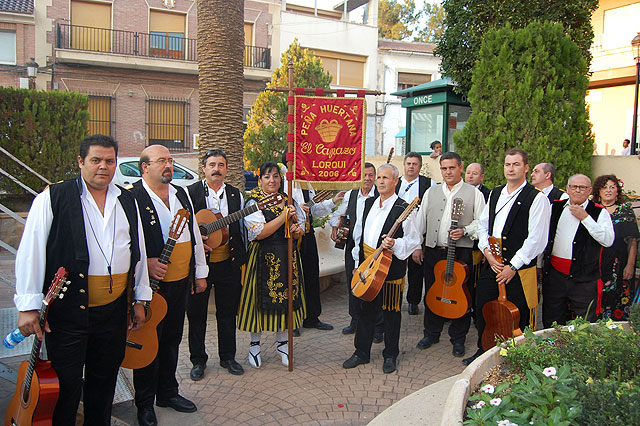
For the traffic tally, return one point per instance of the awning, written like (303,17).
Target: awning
(402,133)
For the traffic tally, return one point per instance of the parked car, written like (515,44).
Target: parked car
(128,173)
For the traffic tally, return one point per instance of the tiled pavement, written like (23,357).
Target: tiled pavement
(318,391)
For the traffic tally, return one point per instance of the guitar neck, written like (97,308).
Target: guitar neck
(451,250)
(164,259)
(233,217)
(35,348)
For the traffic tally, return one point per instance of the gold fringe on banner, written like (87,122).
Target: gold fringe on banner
(318,186)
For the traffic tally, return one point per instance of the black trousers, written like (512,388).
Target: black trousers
(367,326)
(558,291)
(415,282)
(355,304)
(487,290)
(433,323)
(224,278)
(158,379)
(99,348)
(311,271)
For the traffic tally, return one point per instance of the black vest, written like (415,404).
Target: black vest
(67,246)
(585,256)
(516,228)
(352,214)
(398,267)
(307,197)
(485,191)
(555,194)
(151,225)
(236,229)
(424,183)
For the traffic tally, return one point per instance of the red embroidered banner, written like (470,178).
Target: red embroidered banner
(329,141)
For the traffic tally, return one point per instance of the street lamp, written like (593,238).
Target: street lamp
(635,48)
(32,72)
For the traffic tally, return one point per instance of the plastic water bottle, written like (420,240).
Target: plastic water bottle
(13,339)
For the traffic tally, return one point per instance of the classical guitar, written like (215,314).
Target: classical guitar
(368,278)
(214,225)
(37,385)
(449,297)
(142,344)
(502,317)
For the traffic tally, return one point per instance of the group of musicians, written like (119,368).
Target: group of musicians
(111,241)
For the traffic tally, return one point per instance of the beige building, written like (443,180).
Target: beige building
(613,71)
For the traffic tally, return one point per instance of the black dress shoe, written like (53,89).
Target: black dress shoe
(426,342)
(354,361)
(350,329)
(413,309)
(378,337)
(389,365)
(147,417)
(178,403)
(319,325)
(473,357)
(197,372)
(232,367)
(458,350)
(296,332)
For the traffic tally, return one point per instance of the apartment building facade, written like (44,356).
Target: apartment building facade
(17,41)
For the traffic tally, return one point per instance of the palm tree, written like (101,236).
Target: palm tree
(221,76)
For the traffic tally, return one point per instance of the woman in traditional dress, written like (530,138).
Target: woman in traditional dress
(264,298)
(619,260)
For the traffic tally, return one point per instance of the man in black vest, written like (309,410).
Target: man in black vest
(474,175)
(214,194)
(91,227)
(158,202)
(517,214)
(542,177)
(579,230)
(410,186)
(378,218)
(352,207)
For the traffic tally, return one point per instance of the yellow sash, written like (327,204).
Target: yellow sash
(529,281)
(179,262)
(219,254)
(391,290)
(99,288)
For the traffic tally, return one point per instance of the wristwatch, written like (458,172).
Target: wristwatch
(513,267)
(144,303)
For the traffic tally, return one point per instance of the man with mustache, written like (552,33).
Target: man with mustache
(158,202)
(224,268)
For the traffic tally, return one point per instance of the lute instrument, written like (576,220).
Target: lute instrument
(142,344)
(370,276)
(501,316)
(214,226)
(449,296)
(37,386)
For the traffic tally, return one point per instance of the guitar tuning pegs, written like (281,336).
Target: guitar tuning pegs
(64,289)
(61,296)
(68,282)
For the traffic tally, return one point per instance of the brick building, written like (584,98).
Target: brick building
(17,41)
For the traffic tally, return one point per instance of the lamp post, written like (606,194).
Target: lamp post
(635,47)
(32,72)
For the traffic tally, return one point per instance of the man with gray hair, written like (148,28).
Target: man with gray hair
(578,231)
(542,177)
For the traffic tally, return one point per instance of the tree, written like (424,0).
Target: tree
(528,91)
(433,28)
(396,20)
(467,21)
(221,80)
(265,136)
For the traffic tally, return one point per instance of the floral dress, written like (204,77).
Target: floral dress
(618,293)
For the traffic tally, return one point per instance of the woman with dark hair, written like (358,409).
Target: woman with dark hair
(264,297)
(619,260)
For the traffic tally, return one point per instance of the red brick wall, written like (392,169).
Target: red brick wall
(25,50)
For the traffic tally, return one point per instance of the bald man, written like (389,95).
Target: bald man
(474,175)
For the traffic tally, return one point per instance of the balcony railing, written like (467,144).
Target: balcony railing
(152,45)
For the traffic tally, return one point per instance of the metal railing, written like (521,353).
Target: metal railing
(152,45)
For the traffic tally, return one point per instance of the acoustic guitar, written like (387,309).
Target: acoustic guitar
(37,386)
(142,344)
(449,297)
(502,317)
(368,278)
(214,226)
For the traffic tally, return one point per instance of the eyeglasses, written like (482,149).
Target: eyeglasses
(578,187)
(163,161)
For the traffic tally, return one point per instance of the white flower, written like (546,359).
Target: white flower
(504,423)
(549,371)
(612,326)
(496,401)
(570,328)
(487,389)
(479,405)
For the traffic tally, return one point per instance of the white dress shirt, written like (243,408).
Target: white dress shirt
(626,151)
(538,227)
(165,216)
(402,247)
(217,201)
(549,188)
(443,233)
(409,190)
(601,231)
(255,221)
(31,257)
(342,210)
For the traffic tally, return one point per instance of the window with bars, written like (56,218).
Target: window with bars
(100,121)
(168,123)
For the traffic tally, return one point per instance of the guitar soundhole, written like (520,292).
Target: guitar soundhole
(25,395)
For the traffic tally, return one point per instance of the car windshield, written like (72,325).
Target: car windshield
(130,169)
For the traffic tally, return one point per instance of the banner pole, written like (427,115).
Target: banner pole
(290,129)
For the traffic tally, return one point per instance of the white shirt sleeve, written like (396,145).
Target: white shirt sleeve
(323,208)
(483,229)
(141,281)
(478,208)
(254,222)
(421,216)
(31,257)
(202,269)
(602,230)
(334,220)
(410,241)
(536,241)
